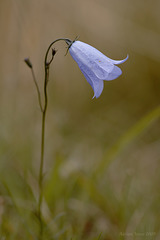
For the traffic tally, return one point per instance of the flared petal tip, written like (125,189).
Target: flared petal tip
(116,62)
(126,57)
(124,60)
(97,88)
(95,96)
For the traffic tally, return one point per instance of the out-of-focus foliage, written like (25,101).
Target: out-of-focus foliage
(102,159)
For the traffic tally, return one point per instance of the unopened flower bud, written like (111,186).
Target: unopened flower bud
(53,52)
(28,62)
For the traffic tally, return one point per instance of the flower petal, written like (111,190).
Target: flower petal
(95,66)
(120,61)
(94,59)
(100,64)
(98,88)
(116,72)
(96,84)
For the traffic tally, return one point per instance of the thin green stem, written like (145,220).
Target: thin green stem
(38,91)
(42,156)
(43,110)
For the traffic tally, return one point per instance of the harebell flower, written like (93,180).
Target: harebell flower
(95,66)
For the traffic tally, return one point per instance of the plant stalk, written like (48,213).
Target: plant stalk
(43,111)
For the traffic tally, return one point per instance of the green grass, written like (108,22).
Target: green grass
(85,204)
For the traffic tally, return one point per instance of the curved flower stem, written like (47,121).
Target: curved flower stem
(44,110)
(67,40)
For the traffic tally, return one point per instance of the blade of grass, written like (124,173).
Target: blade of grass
(142,125)
(18,209)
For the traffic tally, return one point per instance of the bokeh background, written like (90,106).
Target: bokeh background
(102,156)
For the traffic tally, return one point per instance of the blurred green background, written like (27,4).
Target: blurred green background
(102,156)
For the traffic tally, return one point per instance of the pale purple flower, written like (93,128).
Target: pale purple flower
(95,66)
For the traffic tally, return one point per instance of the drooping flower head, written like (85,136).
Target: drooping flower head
(95,66)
